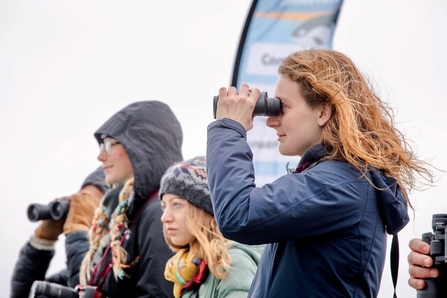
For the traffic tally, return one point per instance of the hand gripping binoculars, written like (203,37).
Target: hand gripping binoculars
(436,287)
(265,106)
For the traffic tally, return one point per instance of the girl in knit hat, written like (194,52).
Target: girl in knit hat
(205,264)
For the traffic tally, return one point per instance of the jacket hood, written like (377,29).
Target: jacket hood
(152,137)
(391,201)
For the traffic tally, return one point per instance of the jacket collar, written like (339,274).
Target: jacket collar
(310,157)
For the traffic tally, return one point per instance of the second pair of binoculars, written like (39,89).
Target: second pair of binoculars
(56,210)
(265,106)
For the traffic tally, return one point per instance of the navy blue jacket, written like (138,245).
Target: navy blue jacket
(326,228)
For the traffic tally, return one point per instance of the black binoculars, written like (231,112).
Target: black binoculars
(54,210)
(265,106)
(436,287)
(44,289)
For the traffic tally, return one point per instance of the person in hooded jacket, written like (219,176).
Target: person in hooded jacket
(205,264)
(36,255)
(126,252)
(326,223)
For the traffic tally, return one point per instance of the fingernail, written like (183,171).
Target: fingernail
(420,285)
(433,273)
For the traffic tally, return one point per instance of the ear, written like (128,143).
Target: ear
(325,115)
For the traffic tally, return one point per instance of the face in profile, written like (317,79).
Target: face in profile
(174,219)
(116,163)
(299,126)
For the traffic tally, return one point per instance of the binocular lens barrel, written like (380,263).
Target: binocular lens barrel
(59,209)
(439,219)
(54,210)
(38,212)
(51,290)
(265,106)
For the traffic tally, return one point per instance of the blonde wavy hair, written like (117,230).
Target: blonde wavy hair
(99,229)
(209,243)
(361,129)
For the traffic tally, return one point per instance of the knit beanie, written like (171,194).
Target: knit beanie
(188,180)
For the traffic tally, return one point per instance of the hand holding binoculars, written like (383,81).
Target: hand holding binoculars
(265,106)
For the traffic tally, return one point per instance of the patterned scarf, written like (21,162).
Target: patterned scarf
(186,271)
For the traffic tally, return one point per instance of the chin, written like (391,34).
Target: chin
(110,180)
(288,151)
(285,152)
(179,243)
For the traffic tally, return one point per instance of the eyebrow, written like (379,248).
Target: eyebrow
(165,200)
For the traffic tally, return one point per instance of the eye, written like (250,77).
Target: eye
(282,106)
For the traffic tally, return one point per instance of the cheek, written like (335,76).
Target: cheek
(188,237)
(182,222)
(127,163)
(109,180)
(118,159)
(302,120)
(123,165)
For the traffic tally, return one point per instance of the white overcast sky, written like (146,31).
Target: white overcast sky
(67,66)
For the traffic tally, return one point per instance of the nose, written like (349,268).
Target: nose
(102,156)
(272,121)
(166,216)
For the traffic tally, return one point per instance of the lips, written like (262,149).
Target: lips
(171,231)
(280,137)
